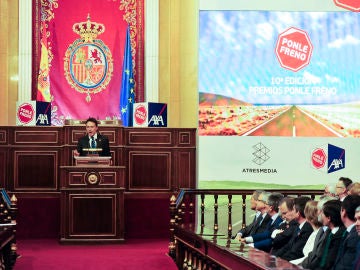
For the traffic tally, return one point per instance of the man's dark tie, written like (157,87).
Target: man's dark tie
(326,249)
(257,224)
(93,144)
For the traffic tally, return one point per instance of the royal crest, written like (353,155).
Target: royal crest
(88,64)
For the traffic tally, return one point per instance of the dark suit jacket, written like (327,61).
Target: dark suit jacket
(246,231)
(314,257)
(283,238)
(259,228)
(333,249)
(263,241)
(347,251)
(101,142)
(294,248)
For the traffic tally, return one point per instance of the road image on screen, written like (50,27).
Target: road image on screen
(245,89)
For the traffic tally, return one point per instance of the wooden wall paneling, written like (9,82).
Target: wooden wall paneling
(35,170)
(4,167)
(146,214)
(154,162)
(149,170)
(185,169)
(4,137)
(38,136)
(158,137)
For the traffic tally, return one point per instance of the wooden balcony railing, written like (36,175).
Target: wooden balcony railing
(8,214)
(208,212)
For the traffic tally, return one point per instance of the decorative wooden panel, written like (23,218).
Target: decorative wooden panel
(33,136)
(145,137)
(186,138)
(35,170)
(4,167)
(149,170)
(3,136)
(186,169)
(92,214)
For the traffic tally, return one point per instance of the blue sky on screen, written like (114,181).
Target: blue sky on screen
(237,57)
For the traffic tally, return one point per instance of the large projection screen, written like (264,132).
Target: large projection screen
(279,99)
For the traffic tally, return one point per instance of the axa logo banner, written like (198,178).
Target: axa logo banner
(328,159)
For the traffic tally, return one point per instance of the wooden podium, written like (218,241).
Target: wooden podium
(92,201)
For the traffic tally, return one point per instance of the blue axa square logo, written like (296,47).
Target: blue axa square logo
(336,158)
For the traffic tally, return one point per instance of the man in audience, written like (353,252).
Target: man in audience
(294,248)
(312,259)
(263,240)
(247,230)
(357,224)
(347,251)
(330,190)
(262,221)
(283,234)
(354,188)
(331,218)
(342,187)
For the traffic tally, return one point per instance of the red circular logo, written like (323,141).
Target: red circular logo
(318,158)
(353,5)
(140,115)
(293,49)
(25,113)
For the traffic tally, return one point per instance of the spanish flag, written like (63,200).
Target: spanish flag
(43,84)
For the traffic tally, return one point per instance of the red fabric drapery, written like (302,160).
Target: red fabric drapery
(77,92)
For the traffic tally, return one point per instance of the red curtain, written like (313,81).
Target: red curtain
(85,72)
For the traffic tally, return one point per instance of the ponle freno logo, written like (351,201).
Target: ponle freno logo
(329,158)
(25,113)
(140,114)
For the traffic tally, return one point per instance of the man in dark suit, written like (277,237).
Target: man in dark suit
(282,235)
(263,240)
(294,248)
(347,251)
(249,228)
(357,224)
(326,255)
(262,221)
(312,260)
(93,139)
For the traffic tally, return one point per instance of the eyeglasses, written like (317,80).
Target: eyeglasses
(340,187)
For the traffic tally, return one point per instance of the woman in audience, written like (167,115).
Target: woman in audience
(311,215)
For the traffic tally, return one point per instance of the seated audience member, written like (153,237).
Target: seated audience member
(247,230)
(294,248)
(283,234)
(354,188)
(312,258)
(262,221)
(357,224)
(347,252)
(342,187)
(330,190)
(263,241)
(333,237)
(311,215)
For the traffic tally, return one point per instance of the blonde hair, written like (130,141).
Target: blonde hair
(354,188)
(311,213)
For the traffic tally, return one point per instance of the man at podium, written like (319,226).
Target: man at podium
(93,143)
